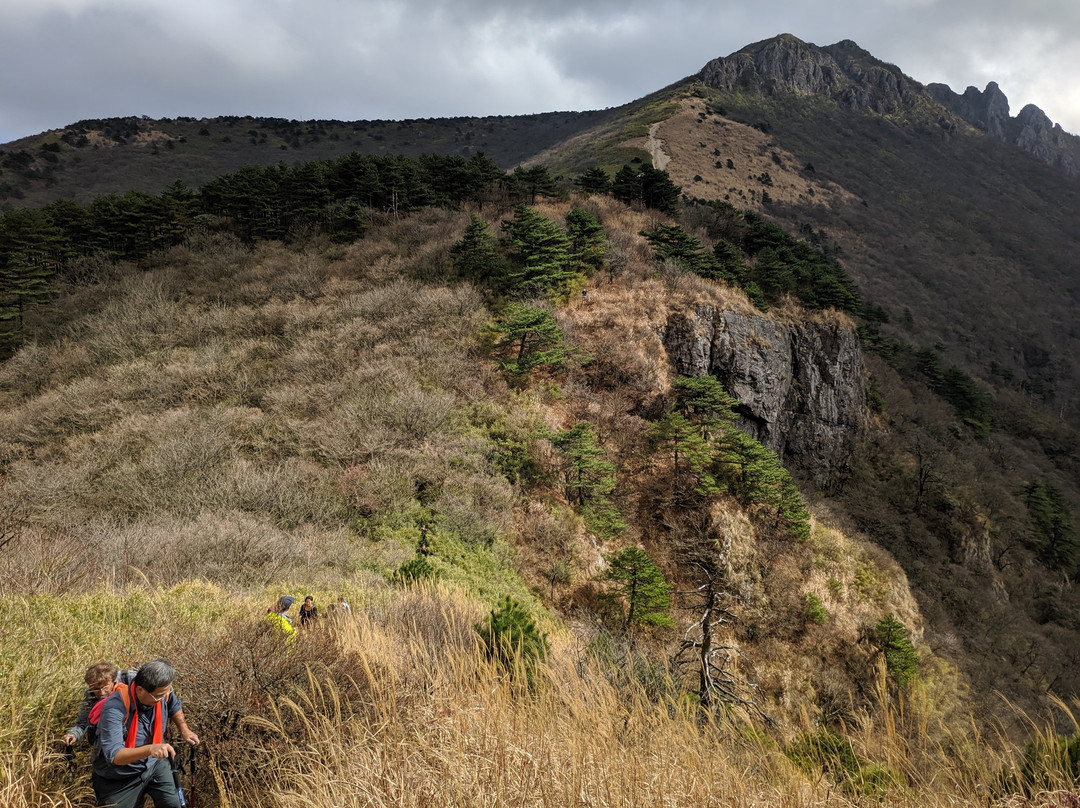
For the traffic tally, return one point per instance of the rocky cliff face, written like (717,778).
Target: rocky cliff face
(857,81)
(800,387)
(844,72)
(1031,130)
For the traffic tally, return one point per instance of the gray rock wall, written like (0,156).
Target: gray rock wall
(800,387)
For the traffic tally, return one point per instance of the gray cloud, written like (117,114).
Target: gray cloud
(65,60)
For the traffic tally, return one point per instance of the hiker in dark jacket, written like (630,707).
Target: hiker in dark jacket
(309,613)
(100,678)
(131,756)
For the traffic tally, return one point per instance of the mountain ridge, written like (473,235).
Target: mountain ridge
(57,163)
(857,80)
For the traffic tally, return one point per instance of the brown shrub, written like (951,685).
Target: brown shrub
(234,681)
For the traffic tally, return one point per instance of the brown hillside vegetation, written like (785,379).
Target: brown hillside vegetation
(698,142)
(186,440)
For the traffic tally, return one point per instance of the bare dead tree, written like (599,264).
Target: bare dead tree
(704,554)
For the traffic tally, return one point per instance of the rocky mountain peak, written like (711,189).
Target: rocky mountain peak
(844,72)
(858,81)
(1031,130)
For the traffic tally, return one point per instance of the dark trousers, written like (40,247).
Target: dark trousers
(128,792)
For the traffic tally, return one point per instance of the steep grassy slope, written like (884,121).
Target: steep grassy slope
(287,419)
(967,249)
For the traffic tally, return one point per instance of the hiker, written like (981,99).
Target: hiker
(100,678)
(279,619)
(343,606)
(309,613)
(131,755)
(422,545)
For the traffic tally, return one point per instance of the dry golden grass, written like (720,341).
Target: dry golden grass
(695,140)
(422,718)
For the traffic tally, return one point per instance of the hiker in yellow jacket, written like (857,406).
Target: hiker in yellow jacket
(280,620)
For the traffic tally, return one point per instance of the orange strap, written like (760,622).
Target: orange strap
(127,693)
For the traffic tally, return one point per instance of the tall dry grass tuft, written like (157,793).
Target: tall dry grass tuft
(447,728)
(399,706)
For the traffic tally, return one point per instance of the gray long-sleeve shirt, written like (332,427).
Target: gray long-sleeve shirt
(112,733)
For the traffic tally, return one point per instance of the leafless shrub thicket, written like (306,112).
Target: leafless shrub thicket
(204,412)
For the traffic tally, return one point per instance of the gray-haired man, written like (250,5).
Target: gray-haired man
(131,757)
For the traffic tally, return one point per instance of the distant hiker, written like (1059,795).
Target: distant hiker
(131,756)
(277,617)
(343,606)
(100,678)
(309,613)
(422,545)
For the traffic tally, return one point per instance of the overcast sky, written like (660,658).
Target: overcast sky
(66,60)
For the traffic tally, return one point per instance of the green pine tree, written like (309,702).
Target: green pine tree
(586,239)
(534,181)
(1056,541)
(705,400)
(530,338)
(901,658)
(586,474)
(511,638)
(641,586)
(594,181)
(540,251)
(690,451)
(475,256)
(753,473)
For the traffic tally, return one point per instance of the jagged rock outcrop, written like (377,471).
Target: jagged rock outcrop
(856,80)
(844,72)
(1038,135)
(988,110)
(1031,130)
(800,387)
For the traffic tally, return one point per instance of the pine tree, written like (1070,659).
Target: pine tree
(650,186)
(31,249)
(689,450)
(901,658)
(475,256)
(658,191)
(626,186)
(1057,542)
(705,400)
(586,239)
(534,181)
(541,253)
(754,474)
(511,637)
(672,243)
(594,181)
(531,338)
(641,586)
(586,475)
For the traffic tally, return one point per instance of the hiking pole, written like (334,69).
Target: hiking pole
(177,767)
(192,752)
(69,756)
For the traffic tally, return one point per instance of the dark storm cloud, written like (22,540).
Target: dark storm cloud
(65,60)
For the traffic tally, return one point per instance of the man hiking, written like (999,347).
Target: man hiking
(131,756)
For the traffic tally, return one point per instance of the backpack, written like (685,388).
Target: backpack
(126,692)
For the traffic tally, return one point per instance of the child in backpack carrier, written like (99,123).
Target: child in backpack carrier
(100,678)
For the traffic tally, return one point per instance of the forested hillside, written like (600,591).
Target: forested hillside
(264,401)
